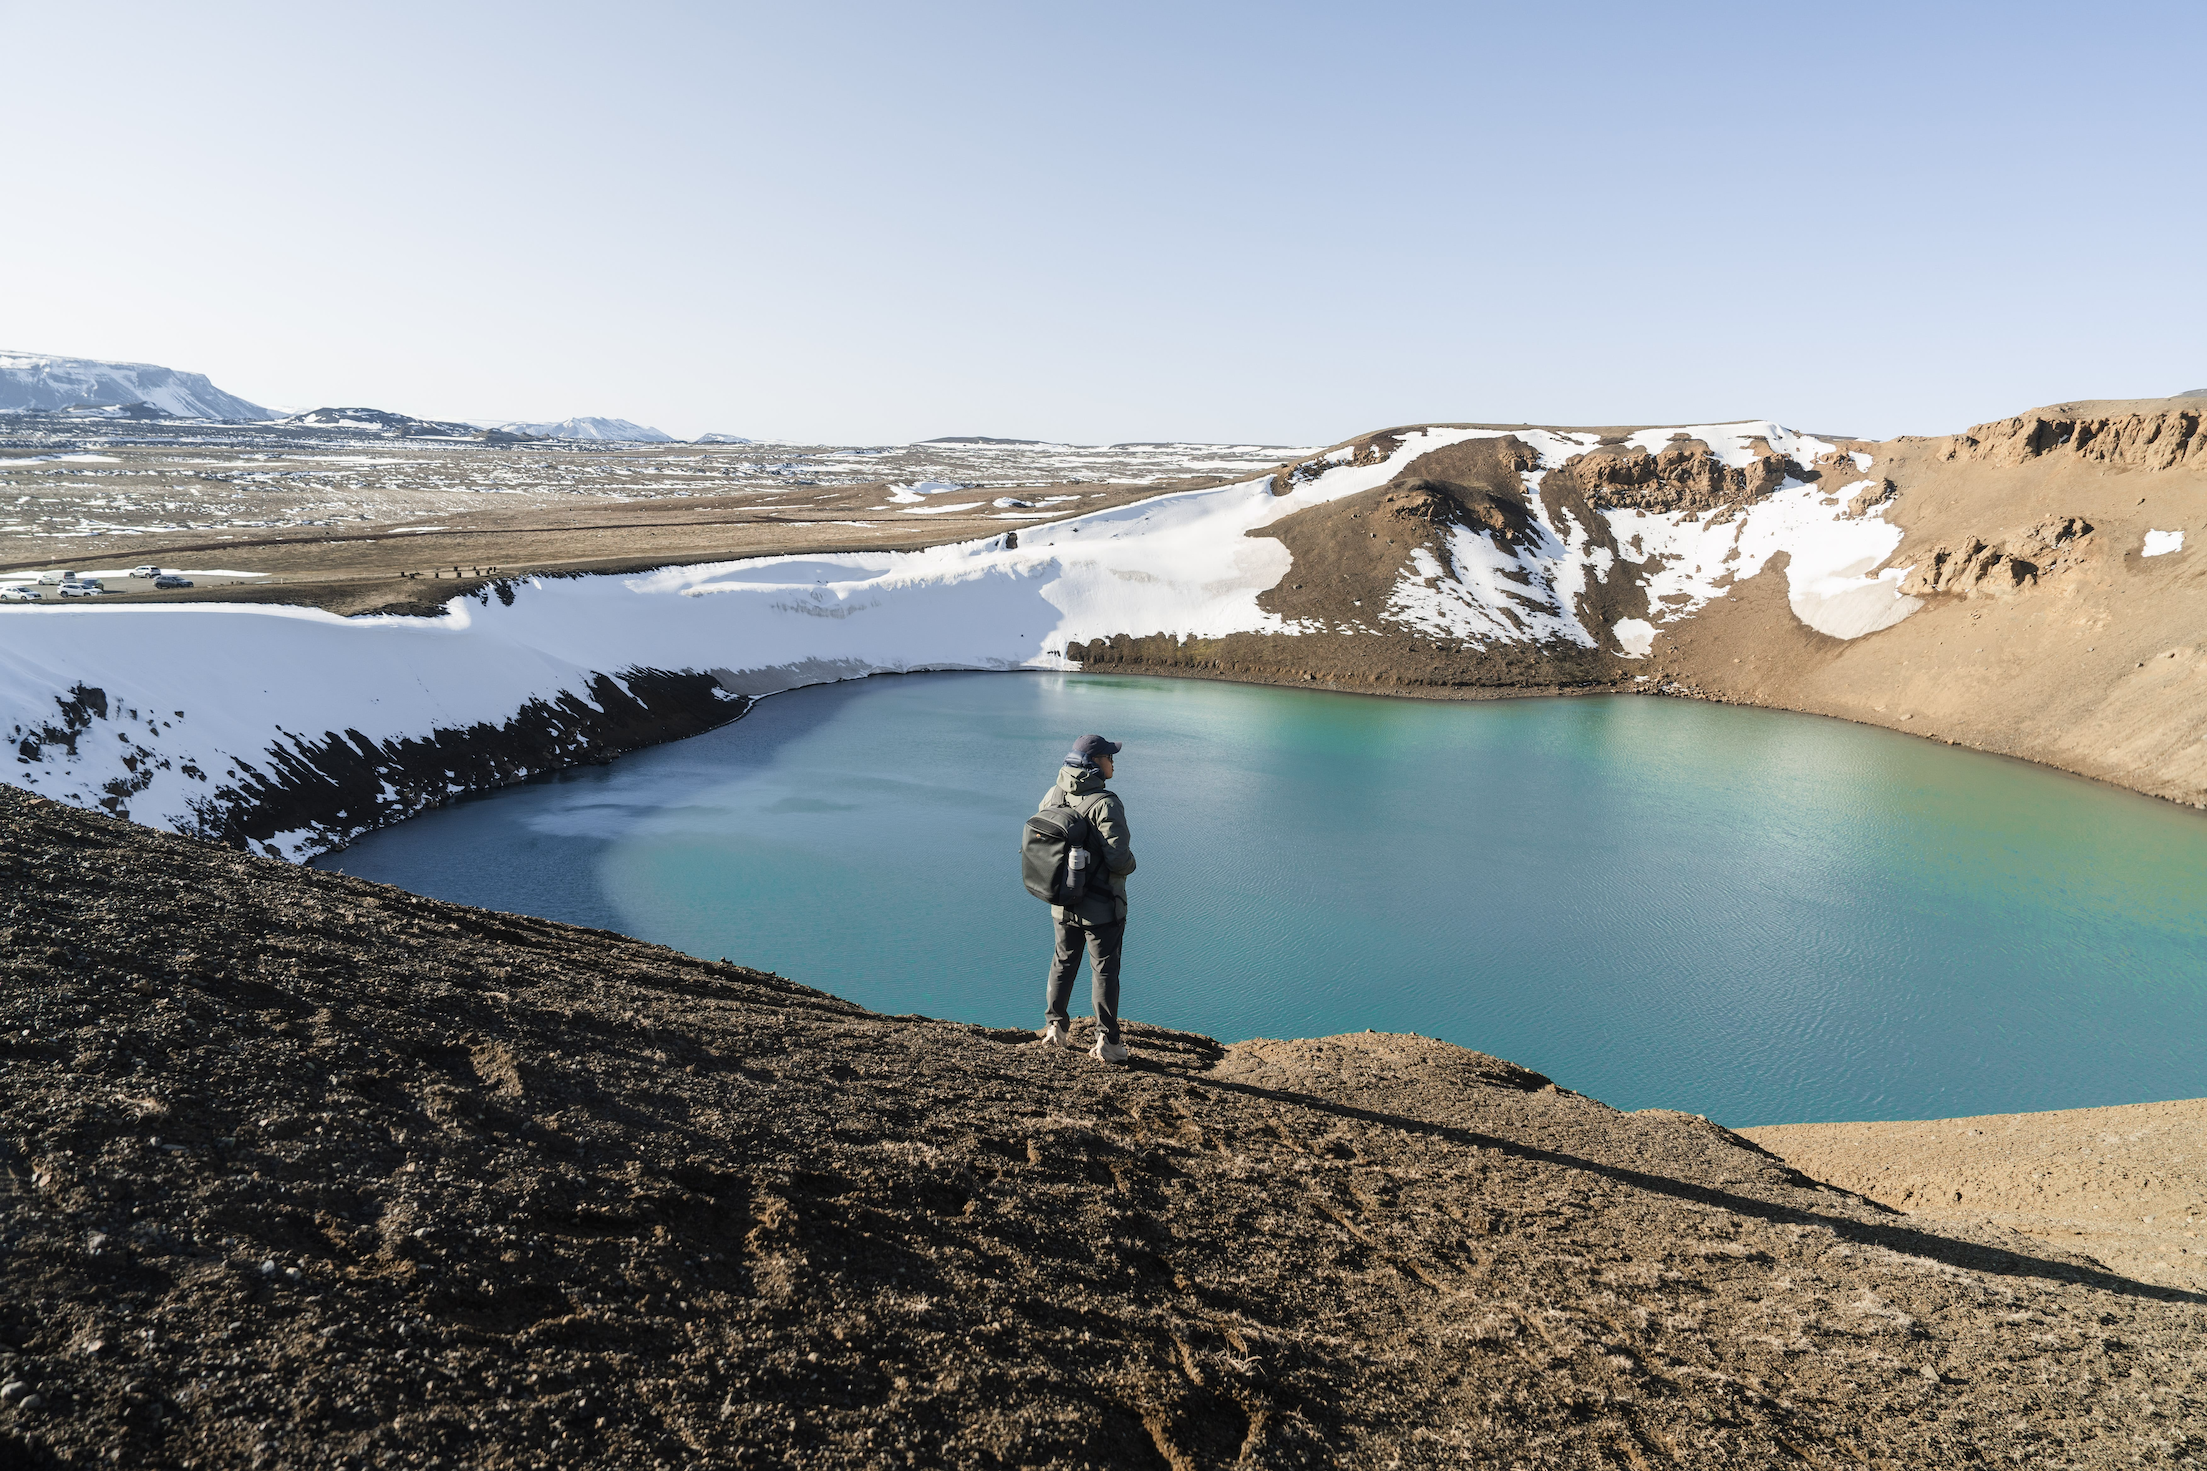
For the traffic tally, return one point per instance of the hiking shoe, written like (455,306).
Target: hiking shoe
(1107,1050)
(1057,1034)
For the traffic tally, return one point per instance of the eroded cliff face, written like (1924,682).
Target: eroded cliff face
(311,793)
(1972,568)
(2100,434)
(1681,477)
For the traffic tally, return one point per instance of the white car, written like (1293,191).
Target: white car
(17,595)
(81,589)
(148,570)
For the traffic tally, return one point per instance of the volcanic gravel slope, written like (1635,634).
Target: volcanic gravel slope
(305,1171)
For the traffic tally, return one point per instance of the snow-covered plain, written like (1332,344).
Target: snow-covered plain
(195,690)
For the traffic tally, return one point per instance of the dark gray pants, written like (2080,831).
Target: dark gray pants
(1103,943)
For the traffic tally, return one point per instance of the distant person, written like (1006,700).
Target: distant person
(1097,918)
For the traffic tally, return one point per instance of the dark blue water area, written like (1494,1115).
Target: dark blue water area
(1758,916)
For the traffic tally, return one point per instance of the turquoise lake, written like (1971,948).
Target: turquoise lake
(1758,916)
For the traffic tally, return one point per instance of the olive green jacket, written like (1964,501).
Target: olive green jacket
(1082,789)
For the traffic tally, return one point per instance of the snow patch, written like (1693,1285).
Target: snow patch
(1731,443)
(1831,559)
(2161,543)
(913,494)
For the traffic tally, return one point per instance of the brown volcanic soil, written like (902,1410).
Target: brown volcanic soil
(301,1170)
(2127,1184)
(2093,663)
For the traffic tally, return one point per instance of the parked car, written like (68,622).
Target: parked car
(81,589)
(148,570)
(48,579)
(18,594)
(170,579)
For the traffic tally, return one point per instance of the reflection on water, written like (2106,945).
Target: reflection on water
(1758,916)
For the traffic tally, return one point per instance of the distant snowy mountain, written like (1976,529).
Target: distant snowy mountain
(724,439)
(588,428)
(33,382)
(401,426)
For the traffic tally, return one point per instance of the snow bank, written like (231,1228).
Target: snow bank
(2161,543)
(1831,579)
(912,495)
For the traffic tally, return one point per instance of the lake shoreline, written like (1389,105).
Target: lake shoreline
(1665,688)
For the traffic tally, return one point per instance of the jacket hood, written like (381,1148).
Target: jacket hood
(1080,781)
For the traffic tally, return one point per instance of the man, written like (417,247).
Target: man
(1099,920)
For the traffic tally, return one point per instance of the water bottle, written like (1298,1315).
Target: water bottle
(1076,871)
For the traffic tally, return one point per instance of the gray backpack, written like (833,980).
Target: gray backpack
(1060,856)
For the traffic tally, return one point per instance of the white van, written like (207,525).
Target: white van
(48,579)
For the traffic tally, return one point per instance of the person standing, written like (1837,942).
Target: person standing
(1097,922)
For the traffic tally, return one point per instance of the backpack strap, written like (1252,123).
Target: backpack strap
(1095,839)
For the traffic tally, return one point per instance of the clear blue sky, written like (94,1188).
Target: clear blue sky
(1275,222)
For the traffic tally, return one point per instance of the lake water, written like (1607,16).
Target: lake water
(1758,916)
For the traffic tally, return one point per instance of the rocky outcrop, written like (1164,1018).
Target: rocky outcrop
(1874,493)
(1431,505)
(1369,450)
(2143,441)
(1973,567)
(1682,477)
